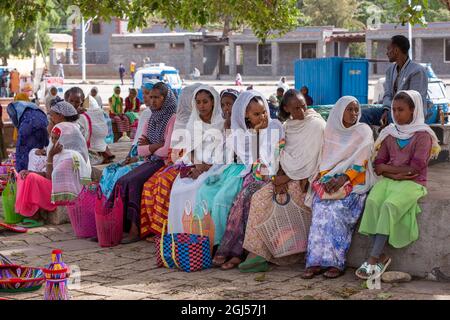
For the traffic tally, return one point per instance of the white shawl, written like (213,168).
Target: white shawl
(99,126)
(205,139)
(242,140)
(346,147)
(304,139)
(408,130)
(67,179)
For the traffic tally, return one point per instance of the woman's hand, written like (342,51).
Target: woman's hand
(129,160)
(143,141)
(194,173)
(202,167)
(153,147)
(335,184)
(304,184)
(56,148)
(24,173)
(40,152)
(262,124)
(281,184)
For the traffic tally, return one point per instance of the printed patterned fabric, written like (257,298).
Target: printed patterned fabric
(331,230)
(155,201)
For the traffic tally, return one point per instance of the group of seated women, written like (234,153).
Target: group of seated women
(223,154)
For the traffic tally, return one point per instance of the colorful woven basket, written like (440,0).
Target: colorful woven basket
(14,278)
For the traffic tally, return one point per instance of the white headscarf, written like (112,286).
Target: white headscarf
(49,97)
(184,108)
(71,167)
(347,147)
(408,130)
(99,126)
(243,140)
(205,138)
(304,140)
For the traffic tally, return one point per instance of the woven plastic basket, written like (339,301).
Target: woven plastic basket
(14,278)
(82,213)
(109,220)
(285,232)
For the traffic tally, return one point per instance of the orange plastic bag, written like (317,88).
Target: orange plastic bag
(192,223)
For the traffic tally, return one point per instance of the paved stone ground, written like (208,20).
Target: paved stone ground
(130,272)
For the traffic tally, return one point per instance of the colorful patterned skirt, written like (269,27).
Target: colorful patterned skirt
(155,201)
(233,238)
(330,235)
(122,122)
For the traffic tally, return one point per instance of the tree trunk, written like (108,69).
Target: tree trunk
(447,3)
(4,60)
(226,27)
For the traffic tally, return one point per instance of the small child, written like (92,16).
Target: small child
(405,148)
(116,112)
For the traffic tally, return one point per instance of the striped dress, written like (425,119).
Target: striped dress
(155,201)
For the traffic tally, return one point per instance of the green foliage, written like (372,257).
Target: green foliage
(338,13)
(267,18)
(357,50)
(19,42)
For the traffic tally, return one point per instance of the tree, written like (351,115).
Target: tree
(19,42)
(267,18)
(338,13)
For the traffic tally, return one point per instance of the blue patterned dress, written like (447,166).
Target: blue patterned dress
(32,133)
(331,231)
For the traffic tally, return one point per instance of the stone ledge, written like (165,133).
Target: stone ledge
(432,249)
(57,217)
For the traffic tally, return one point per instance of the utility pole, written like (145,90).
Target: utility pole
(36,35)
(410,35)
(84,29)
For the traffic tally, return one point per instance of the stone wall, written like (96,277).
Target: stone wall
(289,53)
(433,51)
(250,62)
(432,249)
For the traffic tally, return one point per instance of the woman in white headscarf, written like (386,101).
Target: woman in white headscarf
(98,149)
(299,160)
(404,149)
(346,175)
(156,192)
(219,190)
(256,139)
(52,94)
(203,154)
(67,169)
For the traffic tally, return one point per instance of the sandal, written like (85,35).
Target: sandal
(370,269)
(30,223)
(252,263)
(231,264)
(130,240)
(333,273)
(310,272)
(364,271)
(218,261)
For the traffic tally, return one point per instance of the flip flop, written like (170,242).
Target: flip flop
(252,263)
(261,267)
(30,223)
(13,227)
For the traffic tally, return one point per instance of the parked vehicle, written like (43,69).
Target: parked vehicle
(158,71)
